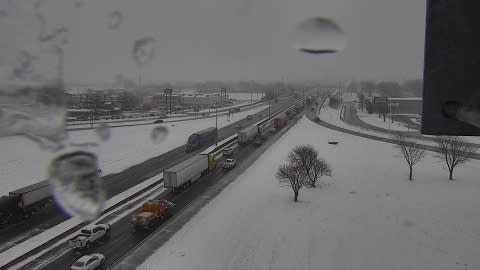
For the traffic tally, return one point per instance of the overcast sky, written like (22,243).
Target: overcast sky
(198,40)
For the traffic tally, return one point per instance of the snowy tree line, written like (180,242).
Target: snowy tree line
(305,169)
(453,150)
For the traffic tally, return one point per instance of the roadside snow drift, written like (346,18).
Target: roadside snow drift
(367,216)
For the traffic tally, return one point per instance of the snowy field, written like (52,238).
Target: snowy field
(23,162)
(367,216)
(374,120)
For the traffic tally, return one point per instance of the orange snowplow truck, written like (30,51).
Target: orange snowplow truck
(151,213)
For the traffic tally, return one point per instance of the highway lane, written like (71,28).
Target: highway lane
(123,238)
(119,182)
(352,118)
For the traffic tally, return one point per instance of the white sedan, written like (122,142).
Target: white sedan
(89,262)
(229,163)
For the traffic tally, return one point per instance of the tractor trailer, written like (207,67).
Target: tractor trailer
(185,173)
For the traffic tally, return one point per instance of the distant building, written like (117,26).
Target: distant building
(409,105)
(160,100)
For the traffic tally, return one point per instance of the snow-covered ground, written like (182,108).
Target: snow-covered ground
(374,120)
(23,162)
(367,216)
(349,97)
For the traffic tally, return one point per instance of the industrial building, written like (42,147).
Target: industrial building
(408,105)
(161,100)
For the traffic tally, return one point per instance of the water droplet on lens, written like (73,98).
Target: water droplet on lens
(319,36)
(114,20)
(79,3)
(103,132)
(159,134)
(143,50)
(75,184)
(38,113)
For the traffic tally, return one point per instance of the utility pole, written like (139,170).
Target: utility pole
(269,105)
(216,122)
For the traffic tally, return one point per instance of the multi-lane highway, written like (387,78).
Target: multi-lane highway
(123,238)
(119,182)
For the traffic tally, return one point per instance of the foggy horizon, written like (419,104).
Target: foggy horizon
(213,40)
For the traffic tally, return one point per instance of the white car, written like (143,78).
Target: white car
(89,262)
(229,163)
(228,151)
(89,235)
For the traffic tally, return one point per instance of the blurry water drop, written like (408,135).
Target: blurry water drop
(114,20)
(38,113)
(79,3)
(143,50)
(23,67)
(159,134)
(319,36)
(75,184)
(103,132)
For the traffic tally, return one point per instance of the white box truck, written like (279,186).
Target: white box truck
(247,135)
(186,172)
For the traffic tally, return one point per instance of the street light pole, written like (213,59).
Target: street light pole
(269,104)
(216,122)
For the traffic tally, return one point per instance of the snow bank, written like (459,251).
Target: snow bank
(367,216)
(23,163)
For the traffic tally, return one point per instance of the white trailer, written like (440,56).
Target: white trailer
(32,195)
(265,130)
(183,174)
(247,135)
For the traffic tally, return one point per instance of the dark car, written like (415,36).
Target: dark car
(158,121)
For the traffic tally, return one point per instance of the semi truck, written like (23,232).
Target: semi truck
(22,203)
(265,129)
(201,138)
(150,214)
(180,176)
(280,121)
(247,135)
(290,113)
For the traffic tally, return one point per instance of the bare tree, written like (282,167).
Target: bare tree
(319,168)
(454,151)
(294,176)
(411,152)
(304,156)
